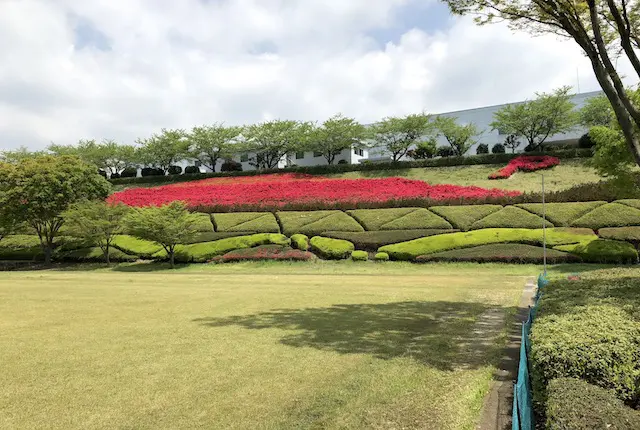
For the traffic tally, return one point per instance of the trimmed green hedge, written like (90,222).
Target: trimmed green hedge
(634,203)
(627,234)
(603,251)
(574,404)
(510,217)
(134,246)
(21,247)
(256,222)
(359,255)
(213,236)
(372,240)
(95,254)
(334,249)
(463,217)
(203,252)
(265,252)
(597,343)
(399,219)
(561,214)
(316,222)
(381,256)
(300,241)
(609,215)
(429,245)
(203,223)
(502,253)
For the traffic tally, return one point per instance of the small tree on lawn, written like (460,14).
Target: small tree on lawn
(38,190)
(398,134)
(211,143)
(538,119)
(167,225)
(97,222)
(336,134)
(459,137)
(512,143)
(163,150)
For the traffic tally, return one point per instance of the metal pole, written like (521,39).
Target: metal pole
(544,230)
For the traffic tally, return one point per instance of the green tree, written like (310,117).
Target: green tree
(335,135)
(97,222)
(167,225)
(17,155)
(536,120)
(459,137)
(423,150)
(611,157)
(604,29)
(398,134)
(164,150)
(511,142)
(273,140)
(38,190)
(597,111)
(211,143)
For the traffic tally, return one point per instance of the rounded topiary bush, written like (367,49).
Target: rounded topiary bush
(498,148)
(334,249)
(381,256)
(483,148)
(359,256)
(150,171)
(192,170)
(175,170)
(231,166)
(300,241)
(129,172)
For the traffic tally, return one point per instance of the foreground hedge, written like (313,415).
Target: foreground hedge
(561,214)
(313,223)
(574,404)
(300,241)
(265,252)
(463,217)
(399,219)
(256,222)
(333,249)
(603,251)
(627,234)
(203,252)
(609,215)
(372,240)
(429,245)
(501,253)
(597,343)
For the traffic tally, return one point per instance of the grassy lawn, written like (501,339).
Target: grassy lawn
(268,346)
(566,175)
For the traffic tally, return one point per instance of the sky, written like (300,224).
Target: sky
(124,69)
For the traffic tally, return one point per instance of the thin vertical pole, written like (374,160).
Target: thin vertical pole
(544,230)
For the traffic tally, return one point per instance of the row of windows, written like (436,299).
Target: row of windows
(300,155)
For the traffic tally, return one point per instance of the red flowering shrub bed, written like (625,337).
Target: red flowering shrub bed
(525,163)
(295,191)
(267,252)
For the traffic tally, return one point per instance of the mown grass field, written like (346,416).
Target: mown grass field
(568,174)
(252,345)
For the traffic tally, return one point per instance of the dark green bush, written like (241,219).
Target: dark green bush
(203,252)
(482,148)
(115,175)
(372,240)
(627,234)
(423,150)
(597,343)
(192,170)
(502,253)
(603,251)
(94,254)
(574,404)
(129,172)
(231,166)
(359,255)
(300,241)
(145,172)
(175,170)
(444,152)
(609,215)
(498,148)
(334,249)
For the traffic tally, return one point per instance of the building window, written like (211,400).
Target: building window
(358,151)
(299,155)
(244,158)
(317,154)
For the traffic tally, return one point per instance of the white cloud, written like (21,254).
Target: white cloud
(179,64)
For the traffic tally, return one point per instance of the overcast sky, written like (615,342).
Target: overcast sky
(122,69)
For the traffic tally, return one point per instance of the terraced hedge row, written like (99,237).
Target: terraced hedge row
(593,215)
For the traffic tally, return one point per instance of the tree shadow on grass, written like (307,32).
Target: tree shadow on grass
(441,334)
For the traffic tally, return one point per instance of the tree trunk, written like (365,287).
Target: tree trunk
(106,255)
(172,259)
(47,254)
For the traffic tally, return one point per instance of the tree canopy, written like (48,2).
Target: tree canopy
(38,190)
(397,135)
(335,135)
(210,143)
(272,140)
(597,111)
(97,222)
(459,137)
(163,150)
(603,29)
(167,225)
(538,119)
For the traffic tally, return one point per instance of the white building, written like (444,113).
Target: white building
(481,117)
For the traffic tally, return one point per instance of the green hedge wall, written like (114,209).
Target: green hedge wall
(372,240)
(399,219)
(562,214)
(511,217)
(257,222)
(333,249)
(502,253)
(463,217)
(603,251)
(316,222)
(609,215)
